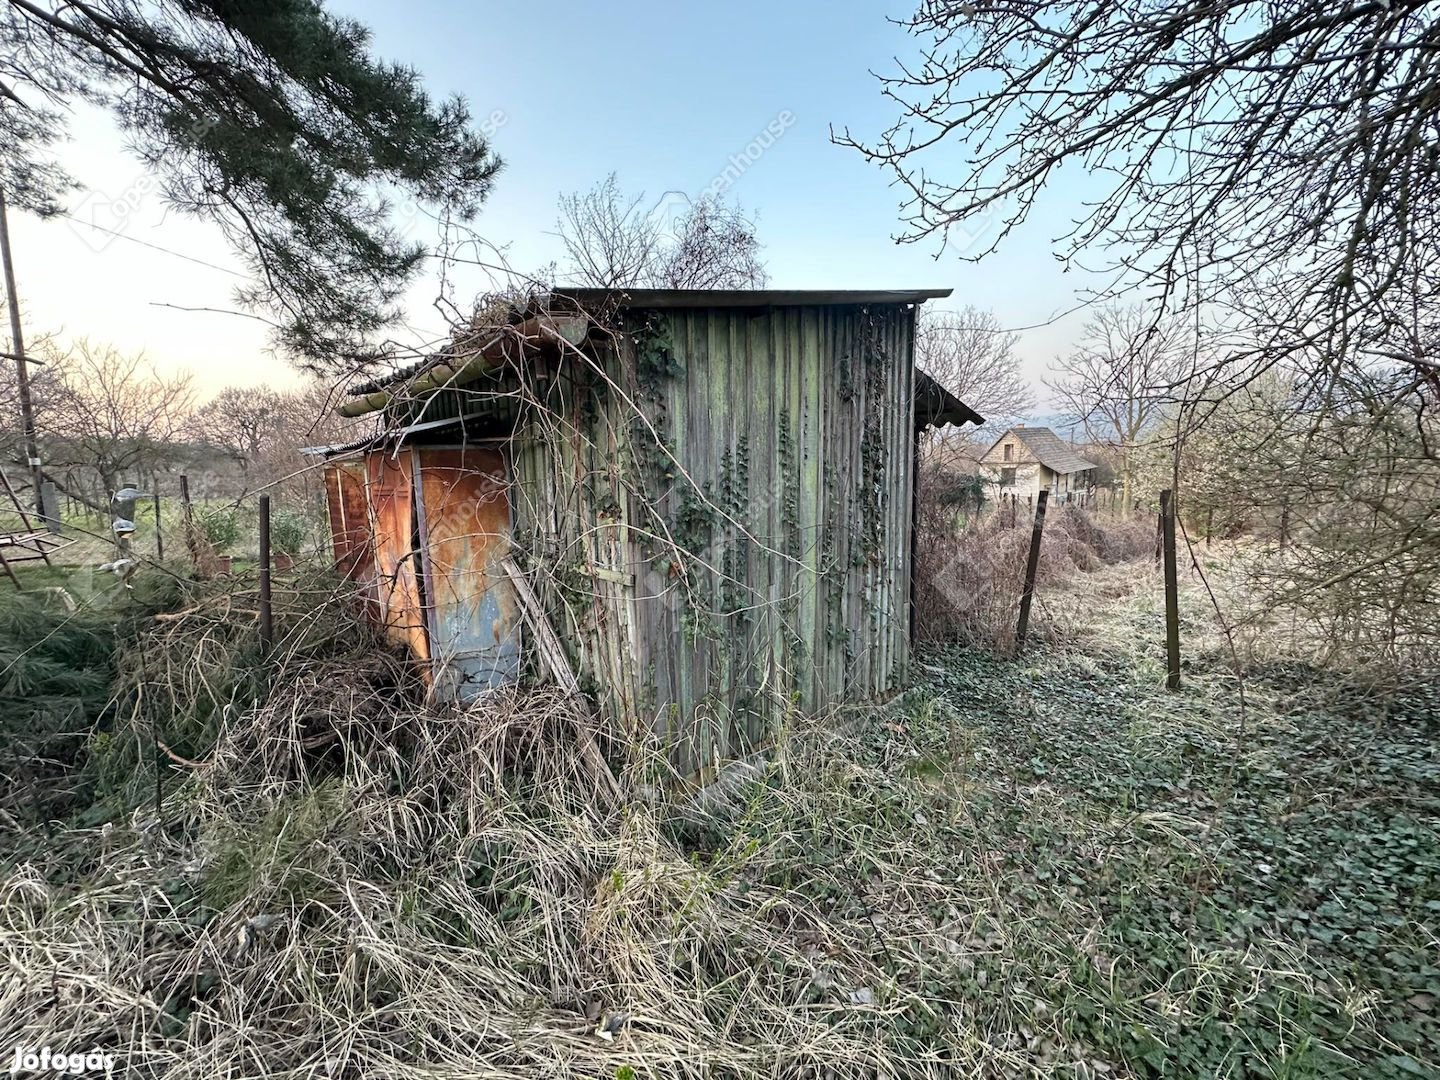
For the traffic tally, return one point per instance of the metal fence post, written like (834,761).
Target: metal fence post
(159,534)
(187,517)
(1172,591)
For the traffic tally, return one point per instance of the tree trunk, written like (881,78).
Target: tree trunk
(1126,479)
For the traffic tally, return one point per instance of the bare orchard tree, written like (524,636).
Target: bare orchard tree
(617,241)
(243,422)
(975,358)
(1233,139)
(114,414)
(1119,380)
(264,431)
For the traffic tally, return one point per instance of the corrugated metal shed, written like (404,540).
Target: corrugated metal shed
(712,498)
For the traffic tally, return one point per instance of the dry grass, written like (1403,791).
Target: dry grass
(969,578)
(349,883)
(442,894)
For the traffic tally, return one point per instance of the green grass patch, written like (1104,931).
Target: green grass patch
(1251,895)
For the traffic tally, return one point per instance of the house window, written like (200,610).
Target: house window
(1007,476)
(1009,451)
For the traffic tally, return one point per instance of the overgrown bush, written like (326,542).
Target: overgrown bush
(288,531)
(59,656)
(185,679)
(969,574)
(219,526)
(1335,485)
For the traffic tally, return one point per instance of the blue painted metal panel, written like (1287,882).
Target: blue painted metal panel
(473,619)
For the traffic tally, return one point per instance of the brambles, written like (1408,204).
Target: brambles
(969,577)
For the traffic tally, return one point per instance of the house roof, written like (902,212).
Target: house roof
(1047,448)
(563,299)
(934,404)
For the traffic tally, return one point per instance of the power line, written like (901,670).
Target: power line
(152,247)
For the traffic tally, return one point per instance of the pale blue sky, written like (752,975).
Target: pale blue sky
(661,94)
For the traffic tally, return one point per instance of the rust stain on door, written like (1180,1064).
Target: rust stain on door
(350,524)
(473,620)
(397,579)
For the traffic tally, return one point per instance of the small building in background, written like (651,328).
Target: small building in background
(1027,460)
(698,504)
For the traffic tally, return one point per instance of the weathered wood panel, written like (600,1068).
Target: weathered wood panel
(715,512)
(792,428)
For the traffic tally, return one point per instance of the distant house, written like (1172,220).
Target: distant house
(1027,460)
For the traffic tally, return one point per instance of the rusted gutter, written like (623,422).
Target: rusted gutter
(509,345)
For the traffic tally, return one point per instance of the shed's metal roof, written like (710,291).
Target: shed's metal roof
(675,299)
(934,405)
(712,298)
(1049,449)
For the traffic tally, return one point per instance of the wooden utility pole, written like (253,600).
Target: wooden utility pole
(1032,565)
(22,366)
(1172,592)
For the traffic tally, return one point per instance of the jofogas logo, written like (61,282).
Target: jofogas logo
(45,1060)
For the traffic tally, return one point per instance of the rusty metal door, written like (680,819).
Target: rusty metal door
(464,507)
(350,525)
(392,523)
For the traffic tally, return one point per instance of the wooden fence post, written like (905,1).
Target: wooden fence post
(159,536)
(1031,566)
(187,517)
(1160,528)
(1209,522)
(1172,592)
(267,626)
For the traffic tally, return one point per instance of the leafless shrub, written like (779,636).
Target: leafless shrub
(617,241)
(1335,494)
(969,578)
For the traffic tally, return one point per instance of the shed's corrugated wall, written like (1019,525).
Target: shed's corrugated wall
(771,449)
(796,425)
